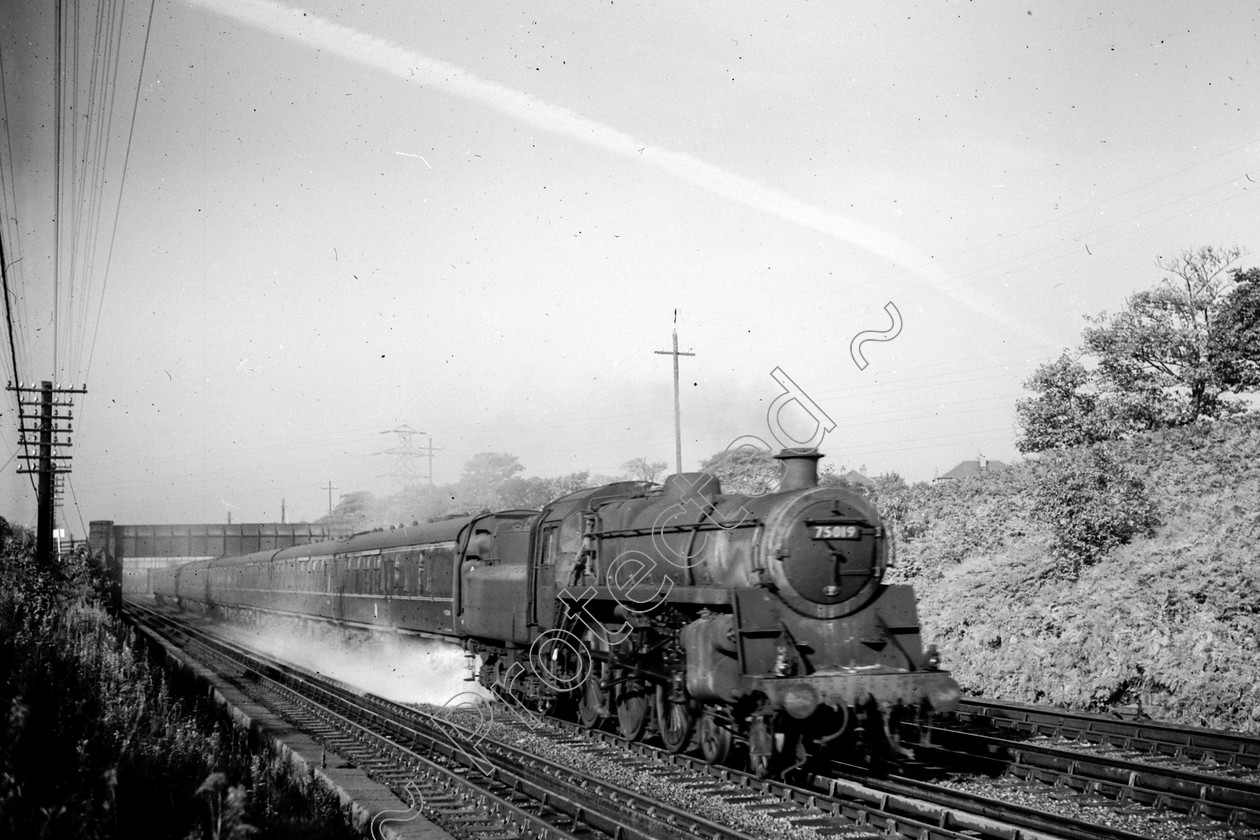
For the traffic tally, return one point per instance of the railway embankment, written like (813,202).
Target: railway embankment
(1167,619)
(96,741)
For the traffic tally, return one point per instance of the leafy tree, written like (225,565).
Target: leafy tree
(563,485)
(1066,412)
(644,470)
(356,511)
(1171,342)
(519,492)
(417,503)
(1172,355)
(890,482)
(1239,334)
(747,470)
(482,476)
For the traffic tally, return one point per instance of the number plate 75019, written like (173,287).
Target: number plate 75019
(835,532)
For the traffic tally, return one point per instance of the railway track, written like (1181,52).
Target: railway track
(1157,777)
(471,784)
(571,782)
(890,805)
(1227,753)
(1013,804)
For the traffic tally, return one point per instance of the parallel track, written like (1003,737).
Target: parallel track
(1202,779)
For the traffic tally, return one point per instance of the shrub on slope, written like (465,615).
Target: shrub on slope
(1172,620)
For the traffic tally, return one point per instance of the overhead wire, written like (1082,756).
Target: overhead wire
(77,509)
(10,241)
(131,131)
(87,181)
(102,88)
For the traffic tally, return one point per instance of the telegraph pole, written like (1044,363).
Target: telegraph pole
(44,425)
(329,488)
(429,449)
(677,410)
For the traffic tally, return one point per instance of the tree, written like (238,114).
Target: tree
(358,511)
(482,476)
(563,485)
(1168,346)
(644,470)
(747,470)
(1065,412)
(518,492)
(1239,334)
(1172,355)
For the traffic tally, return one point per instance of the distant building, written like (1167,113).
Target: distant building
(967,469)
(855,478)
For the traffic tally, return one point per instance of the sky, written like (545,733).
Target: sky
(482,221)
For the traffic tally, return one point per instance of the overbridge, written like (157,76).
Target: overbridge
(142,548)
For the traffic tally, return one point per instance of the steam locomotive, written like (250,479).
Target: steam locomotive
(754,628)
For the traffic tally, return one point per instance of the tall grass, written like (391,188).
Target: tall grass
(96,741)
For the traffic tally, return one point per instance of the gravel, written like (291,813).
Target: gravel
(665,783)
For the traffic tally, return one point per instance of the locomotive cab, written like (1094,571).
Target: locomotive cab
(492,577)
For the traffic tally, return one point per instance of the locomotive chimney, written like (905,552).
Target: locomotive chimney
(800,469)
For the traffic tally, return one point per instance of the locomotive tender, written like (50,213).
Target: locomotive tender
(756,624)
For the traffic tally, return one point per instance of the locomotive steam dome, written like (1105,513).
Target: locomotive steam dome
(826,549)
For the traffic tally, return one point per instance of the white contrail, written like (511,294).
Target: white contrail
(411,66)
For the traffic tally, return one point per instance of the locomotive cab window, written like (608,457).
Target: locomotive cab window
(550,545)
(570,544)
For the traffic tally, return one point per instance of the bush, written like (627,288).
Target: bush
(1091,503)
(1171,622)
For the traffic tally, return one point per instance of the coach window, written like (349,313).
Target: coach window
(441,567)
(411,586)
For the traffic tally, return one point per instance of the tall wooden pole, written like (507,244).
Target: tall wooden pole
(677,405)
(45,518)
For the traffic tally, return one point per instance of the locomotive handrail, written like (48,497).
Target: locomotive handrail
(678,529)
(643,594)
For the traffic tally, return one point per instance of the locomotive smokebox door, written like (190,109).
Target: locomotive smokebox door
(831,555)
(825,553)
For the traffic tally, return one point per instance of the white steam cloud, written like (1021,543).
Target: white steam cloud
(406,670)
